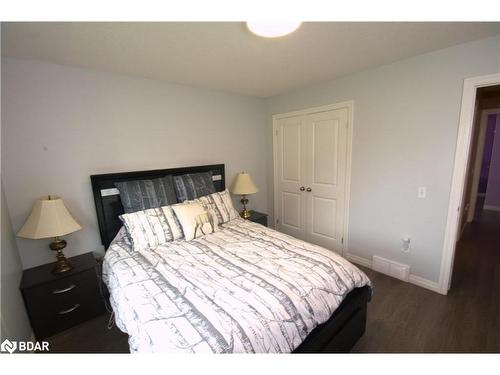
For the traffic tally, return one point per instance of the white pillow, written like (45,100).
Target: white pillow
(195,220)
(152,227)
(222,205)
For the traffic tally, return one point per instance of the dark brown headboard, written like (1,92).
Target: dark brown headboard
(107,197)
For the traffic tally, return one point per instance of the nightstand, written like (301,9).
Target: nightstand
(58,302)
(258,217)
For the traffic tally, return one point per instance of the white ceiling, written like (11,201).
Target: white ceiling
(226,56)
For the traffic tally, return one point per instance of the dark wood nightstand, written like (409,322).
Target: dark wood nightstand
(258,217)
(58,302)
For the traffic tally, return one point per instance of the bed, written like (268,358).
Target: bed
(245,288)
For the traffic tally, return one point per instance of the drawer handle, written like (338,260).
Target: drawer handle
(59,291)
(69,310)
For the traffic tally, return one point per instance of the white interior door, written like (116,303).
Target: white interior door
(290,176)
(325,174)
(311,166)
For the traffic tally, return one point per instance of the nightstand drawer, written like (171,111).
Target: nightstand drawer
(58,302)
(53,295)
(75,310)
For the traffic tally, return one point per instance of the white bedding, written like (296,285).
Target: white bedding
(245,288)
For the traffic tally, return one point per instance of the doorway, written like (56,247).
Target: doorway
(475,168)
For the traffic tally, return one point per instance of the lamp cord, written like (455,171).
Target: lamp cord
(108,307)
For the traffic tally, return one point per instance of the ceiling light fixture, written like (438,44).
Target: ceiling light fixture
(273,29)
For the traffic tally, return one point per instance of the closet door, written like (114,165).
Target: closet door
(325,174)
(291,136)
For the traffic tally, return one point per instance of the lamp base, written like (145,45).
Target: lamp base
(245,214)
(62,264)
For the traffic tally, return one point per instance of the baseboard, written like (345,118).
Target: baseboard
(414,279)
(425,283)
(359,260)
(491,208)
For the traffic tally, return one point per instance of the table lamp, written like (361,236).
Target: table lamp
(50,218)
(243,185)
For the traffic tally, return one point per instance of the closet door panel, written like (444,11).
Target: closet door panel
(290,164)
(326,163)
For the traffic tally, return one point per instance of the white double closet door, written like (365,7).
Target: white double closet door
(311,161)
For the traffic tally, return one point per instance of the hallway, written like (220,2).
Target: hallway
(476,277)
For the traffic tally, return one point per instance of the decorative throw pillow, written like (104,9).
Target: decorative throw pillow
(152,227)
(193,185)
(221,204)
(140,195)
(211,210)
(195,220)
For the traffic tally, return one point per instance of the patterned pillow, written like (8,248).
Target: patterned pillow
(195,220)
(194,185)
(152,227)
(140,195)
(221,204)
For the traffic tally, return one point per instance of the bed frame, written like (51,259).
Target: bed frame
(336,335)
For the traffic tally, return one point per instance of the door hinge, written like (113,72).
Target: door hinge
(342,240)
(277,221)
(276,132)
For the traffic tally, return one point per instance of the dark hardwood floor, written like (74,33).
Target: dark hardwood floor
(402,318)
(90,337)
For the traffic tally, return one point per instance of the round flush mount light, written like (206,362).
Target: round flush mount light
(272,29)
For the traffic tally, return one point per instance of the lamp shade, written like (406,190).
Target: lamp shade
(243,185)
(48,218)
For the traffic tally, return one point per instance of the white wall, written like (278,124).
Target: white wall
(15,324)
(405,128)
(61,124)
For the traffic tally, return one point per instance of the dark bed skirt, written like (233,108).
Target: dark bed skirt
(339,333)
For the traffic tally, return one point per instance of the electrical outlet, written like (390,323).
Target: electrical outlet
(405,244)
(421,192)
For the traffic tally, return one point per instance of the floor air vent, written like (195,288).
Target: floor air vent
(391,268)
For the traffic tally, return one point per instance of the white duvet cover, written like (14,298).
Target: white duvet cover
(245,288)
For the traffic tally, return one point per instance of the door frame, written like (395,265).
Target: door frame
(350,124)
(462,152)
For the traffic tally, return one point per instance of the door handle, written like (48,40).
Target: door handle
(302,188)
(308,189)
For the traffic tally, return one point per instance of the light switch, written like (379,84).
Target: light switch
(422,192)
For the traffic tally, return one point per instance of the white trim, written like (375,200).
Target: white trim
(350,125)
(425,283)
(359,260)
(307,111)
(275,171)
(491,208)
(414,279)
(459,171)
(348,168)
